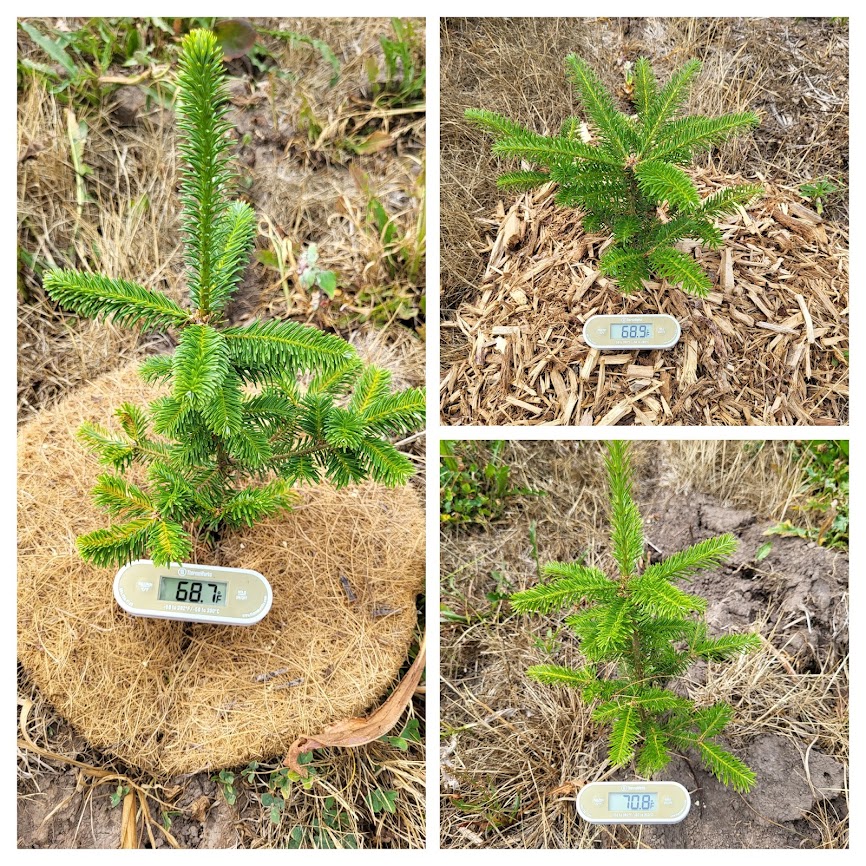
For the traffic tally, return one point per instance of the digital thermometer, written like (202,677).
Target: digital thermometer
(193,593)
(633,803)
(657,331)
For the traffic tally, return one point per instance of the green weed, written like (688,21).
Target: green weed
(474,484)
(400,80)
(325,50)
(118,795)
(549,644)
(312,275)
(382,801)
(501,592)
(410,734)
(225,781)
(329,832)
(75,65)
(403,249)
(825,487)
(817,192)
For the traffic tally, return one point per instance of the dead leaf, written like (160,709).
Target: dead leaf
(566,788)
(375,142)
(359,731)
(128,834)
(199,808)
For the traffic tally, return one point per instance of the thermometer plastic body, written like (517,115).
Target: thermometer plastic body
(633,803)
(657,331)
(193,593)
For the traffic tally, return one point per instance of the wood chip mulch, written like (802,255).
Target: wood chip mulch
(768,346)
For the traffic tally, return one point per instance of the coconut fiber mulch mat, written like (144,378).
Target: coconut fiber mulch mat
(768,346)
(172,697)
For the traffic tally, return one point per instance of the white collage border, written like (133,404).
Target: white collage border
(432,10)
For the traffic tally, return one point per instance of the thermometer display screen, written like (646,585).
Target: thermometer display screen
(631,332)
(211,592)
(625,802)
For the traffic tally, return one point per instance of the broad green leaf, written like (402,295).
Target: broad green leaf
(236,37)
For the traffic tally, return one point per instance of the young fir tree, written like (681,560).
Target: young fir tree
(628,181)
(250,411)
(638,630)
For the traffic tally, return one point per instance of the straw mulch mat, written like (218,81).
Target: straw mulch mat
(172,697)
(768,346)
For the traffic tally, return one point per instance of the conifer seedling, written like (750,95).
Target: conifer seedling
(628,179)
(252,410)
(638,631)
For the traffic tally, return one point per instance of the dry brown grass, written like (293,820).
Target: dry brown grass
(793,71)
(510,774)
(513,753)
(761,477)
(314,190)
(129,231)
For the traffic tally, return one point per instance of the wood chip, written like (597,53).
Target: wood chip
(810,328)
(768,346)
(583,286)
(640,370)
(726,270)
(589,364)
(804,212)
(779,329)
(618,412)
(535,410)
(519,297)
(689,371)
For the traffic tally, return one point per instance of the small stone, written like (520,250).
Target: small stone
(719,519)
(129,102)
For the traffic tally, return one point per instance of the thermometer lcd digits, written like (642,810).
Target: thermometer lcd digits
(633,803)
(193,593)
(658,331)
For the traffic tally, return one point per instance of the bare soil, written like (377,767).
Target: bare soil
(515,753)
(86,817)
(808,584)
